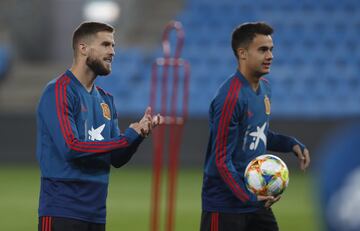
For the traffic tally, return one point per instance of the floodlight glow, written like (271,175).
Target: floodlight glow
(103,11)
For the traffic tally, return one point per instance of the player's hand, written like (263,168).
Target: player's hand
(157,120)
(303,156)
(269,200)
(146,123)
(140,129)
(136,126)
(143,127)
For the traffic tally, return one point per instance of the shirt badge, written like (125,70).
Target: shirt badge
(106,111)
(267,105)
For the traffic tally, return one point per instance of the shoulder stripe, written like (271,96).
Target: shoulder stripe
(68,131)
(265,80)
(63,116)
(221,142)
(69,127)
(105,92)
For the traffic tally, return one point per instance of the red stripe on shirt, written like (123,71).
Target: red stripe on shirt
(78,145)
(73,143)
(102,144)
(224,114)
(265,80)
(228,114)
(221,142)
(107,93)
(69,126)
(58,108)
(241,193)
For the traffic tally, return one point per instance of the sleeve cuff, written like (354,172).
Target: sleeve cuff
(132,135)
(254,201)
(295,141)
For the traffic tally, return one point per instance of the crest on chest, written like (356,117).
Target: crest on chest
(106,111)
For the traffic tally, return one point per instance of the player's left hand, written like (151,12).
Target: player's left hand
(157,120)
(303,156)
(269,200)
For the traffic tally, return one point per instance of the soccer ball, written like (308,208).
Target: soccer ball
(267,175)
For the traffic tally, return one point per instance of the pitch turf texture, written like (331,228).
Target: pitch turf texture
(129,195)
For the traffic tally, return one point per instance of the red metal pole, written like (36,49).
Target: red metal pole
(176,131)
(158,158)
(175,122)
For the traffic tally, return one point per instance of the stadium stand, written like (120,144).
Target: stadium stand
(314,73)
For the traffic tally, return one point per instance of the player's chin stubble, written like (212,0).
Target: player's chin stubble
(97,67)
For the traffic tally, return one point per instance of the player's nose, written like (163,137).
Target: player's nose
(112,51)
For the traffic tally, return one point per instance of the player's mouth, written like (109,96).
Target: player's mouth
(267,65)
(108,60)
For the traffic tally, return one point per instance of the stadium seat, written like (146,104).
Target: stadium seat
(316,55)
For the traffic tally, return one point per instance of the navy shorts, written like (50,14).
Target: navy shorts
(260,220)
(67,224)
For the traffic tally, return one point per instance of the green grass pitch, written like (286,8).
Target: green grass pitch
(129,200)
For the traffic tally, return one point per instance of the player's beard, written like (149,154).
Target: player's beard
(97,66)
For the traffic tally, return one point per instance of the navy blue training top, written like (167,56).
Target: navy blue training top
(239,132)
(78,139)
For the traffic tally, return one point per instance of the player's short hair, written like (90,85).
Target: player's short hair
(89,28)
(244,34)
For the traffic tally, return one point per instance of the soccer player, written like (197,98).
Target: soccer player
(78,137)
(239,131)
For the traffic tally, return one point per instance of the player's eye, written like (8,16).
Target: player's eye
(108,44)
(263,49)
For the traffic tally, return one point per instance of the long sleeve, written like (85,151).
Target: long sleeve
(122,156)
(281,143)
(226,112)
(57,111)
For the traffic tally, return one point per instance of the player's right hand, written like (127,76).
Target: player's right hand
(269,200)
(143,127)
(146,123)
(137,127)
(303,156)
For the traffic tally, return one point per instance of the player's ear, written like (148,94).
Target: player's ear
(242,53)
(82,48)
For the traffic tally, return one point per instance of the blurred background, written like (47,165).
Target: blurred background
(314,78)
